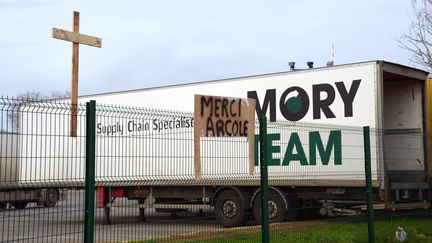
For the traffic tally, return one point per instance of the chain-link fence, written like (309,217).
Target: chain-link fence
(144,177)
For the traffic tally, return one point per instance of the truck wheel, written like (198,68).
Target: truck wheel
(277,207)
(19,205)
(51,198)
(230,209)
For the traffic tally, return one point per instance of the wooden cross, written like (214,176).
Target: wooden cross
(76,38)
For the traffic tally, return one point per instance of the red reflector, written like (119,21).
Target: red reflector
(100,196)
(118,192)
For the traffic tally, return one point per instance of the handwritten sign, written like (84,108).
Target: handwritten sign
(217,116)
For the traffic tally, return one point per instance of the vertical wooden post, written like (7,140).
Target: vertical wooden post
(76,38)
(74,94)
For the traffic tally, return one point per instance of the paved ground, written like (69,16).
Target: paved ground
(65,223)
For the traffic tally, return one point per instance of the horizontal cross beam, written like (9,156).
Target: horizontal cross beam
(76,37)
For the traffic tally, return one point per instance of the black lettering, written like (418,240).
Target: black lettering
(216,107)
(206,103)
(225,108)
(269,100)
(155,125)
(245,128)
(239,107)
(227,122)
(99,128)
(220,128)
(235,128)
(232,113)
(210,128)
(241,128)
(120,128)
(348,97)
(322,105)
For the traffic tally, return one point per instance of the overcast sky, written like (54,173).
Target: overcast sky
(155,43)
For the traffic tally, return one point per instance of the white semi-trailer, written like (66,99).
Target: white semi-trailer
(315,115)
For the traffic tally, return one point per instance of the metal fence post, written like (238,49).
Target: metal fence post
(90,171)
(367,153)
(264,180)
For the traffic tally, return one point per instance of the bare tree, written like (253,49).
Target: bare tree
(418,40)
(14,110)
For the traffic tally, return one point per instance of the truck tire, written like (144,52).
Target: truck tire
(51,197)
(20,205)
(278,207)
(230,209)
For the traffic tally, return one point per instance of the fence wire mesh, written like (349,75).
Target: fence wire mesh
(145,179)
(40,173)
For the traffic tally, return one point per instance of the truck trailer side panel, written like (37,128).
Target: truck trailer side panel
(337,98)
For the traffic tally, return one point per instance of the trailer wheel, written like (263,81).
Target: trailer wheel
(20,205)
(230,209)
(51,198)
(277,204)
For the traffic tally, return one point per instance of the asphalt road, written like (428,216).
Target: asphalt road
(65,223)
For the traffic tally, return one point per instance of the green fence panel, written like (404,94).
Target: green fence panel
(145,188)
(264,180)
(90,172)
(370,212)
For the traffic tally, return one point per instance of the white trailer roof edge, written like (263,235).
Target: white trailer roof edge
(387,67)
